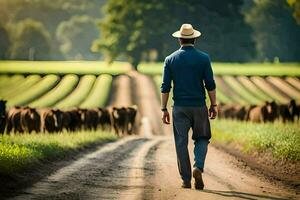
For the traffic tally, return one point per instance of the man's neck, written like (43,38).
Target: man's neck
(186,45)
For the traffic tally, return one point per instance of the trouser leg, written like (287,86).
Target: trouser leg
(181,127)
(200,151)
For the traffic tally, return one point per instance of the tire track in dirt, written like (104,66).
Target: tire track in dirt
(223,177)
(114,171)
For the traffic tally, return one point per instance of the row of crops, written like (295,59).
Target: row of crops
(55,91)
(253,90)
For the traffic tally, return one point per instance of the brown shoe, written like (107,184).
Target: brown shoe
(197,174)
(186,184)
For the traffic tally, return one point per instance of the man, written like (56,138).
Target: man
(190,71)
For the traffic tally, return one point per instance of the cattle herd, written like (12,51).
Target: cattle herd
(49,120)
(268,112)
(122,119)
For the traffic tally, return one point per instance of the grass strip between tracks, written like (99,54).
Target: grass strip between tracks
(282,140)
(21,151)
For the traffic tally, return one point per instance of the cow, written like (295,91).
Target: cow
(83,118)
(240,112)
(66,120)
(259,113)
(91,119)
(105,120)
(294,110)
(3,116)
(131,115)
(119,116)
(51,120)
(30,120)
(263,113)
(284,113)
(14,120)
(75,123)
(227,111)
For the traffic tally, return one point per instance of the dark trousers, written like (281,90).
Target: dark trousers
(185,118)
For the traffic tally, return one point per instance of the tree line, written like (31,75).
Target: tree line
(140,30)
(49,29)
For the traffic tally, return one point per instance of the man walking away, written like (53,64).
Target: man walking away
(190,71)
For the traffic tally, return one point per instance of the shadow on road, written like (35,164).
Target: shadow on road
(242,195)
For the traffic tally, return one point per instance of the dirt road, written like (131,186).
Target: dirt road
(144,167)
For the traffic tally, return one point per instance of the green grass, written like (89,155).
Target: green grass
(99,93)
(283,140)
(62,89)
(63,67)
(246,69)
(21,151)
(37,90)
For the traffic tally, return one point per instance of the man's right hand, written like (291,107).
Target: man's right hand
(166,117)
(212,112)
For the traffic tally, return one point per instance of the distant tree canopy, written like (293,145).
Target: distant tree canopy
(31,41)
(76,36)
(4,43)
(275,32)
(295,4)
(50,13)
(134,27)
(140,30)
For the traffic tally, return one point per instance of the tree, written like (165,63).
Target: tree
(4,43)
(135,28)
(31,41)
(276,33)
(295,4)
(76,36)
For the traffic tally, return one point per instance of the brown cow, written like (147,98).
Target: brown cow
(284,113)
(264,113)
(3,116)
(105,120)
(131,114)
(119,116)
(30,120)
(227,111)
(51,120)
(240,112)
(14,120)
(66,120)
(75,123)
(294,110)
(91,119)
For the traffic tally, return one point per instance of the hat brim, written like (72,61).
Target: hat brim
(178,35)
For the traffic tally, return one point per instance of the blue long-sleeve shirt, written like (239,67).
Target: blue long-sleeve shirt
(191,72)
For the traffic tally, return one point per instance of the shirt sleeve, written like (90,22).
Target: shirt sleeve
(166,80)
(209,77)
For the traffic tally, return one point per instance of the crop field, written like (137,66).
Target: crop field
(236,69)
(56,91)
(66,85)
(253,90)
(63,67)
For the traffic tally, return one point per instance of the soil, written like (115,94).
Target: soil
(144,167)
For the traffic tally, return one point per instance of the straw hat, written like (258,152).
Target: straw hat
(186,31)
